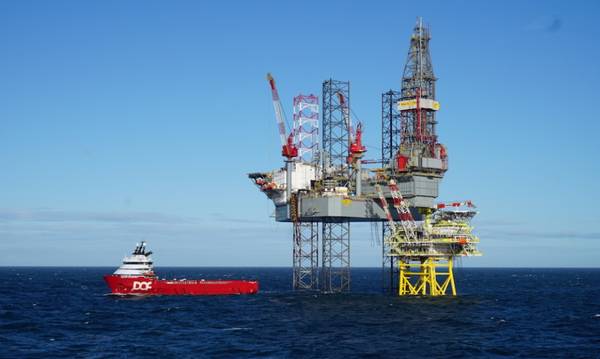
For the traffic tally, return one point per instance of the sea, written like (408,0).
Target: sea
(53,312)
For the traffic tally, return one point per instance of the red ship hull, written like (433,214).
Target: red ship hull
(120,285)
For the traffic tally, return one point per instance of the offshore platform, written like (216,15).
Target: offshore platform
(324,186)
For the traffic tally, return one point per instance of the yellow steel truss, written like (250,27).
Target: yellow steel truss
(420,276)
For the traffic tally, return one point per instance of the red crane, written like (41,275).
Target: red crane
(356,147)
(288,148)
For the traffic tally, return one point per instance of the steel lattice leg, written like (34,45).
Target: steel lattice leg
(389,267)
(335,271)
(306,255)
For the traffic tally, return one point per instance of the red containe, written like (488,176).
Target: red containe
(136,277)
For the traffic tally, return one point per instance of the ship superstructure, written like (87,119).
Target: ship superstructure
(323,193)
(138,263)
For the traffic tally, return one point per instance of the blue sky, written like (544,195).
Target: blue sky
(122,121)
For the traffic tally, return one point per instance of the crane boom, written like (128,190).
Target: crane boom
(346,114)
(288,148)
(279,114)
(406,219)
(355,147)
(386,210)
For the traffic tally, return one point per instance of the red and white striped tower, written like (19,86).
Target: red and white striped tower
(306,127)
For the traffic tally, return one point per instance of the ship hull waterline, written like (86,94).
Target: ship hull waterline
(126,285)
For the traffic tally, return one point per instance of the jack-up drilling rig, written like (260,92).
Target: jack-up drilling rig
(323,193)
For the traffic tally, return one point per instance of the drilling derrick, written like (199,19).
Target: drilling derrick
(423,252)
(322,190)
